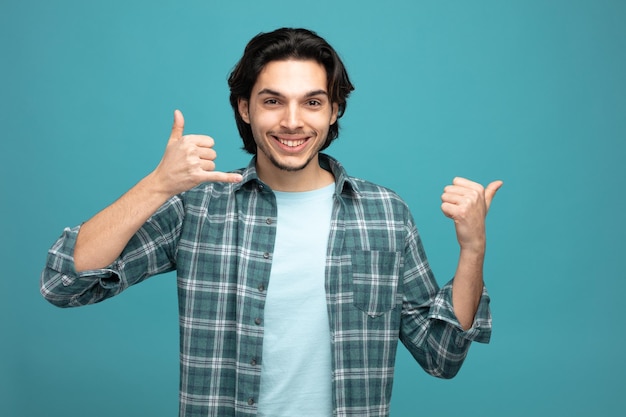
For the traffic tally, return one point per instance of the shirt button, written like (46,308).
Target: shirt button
(250,401)
(253,362)
(260,187)
(268,220)
(261,288)
(257,321)
(266,255)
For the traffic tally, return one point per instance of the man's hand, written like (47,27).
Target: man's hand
(188,161)
(467,203)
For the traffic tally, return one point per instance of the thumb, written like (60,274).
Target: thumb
(178,126)
(490,192)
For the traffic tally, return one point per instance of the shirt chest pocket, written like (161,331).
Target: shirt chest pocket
(375,280)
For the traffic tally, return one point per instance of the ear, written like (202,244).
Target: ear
(242,105)
(333,116)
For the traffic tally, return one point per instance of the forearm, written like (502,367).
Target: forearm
(103,238)
(467,203)
(467,286)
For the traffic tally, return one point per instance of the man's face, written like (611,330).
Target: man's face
(289,112)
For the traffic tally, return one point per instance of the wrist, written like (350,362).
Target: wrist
(154,187)
(475,250)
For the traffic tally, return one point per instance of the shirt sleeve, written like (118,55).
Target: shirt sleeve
(152,250)
(442,309)
(430,329)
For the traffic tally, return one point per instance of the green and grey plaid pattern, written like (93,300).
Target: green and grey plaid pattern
(220,238)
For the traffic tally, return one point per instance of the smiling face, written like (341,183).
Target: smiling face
(290,113)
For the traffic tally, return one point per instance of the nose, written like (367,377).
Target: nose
(292,117)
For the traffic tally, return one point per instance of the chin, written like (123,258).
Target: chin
(291,166)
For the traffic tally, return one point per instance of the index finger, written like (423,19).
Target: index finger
(202,141)
(218,176)
(464,182)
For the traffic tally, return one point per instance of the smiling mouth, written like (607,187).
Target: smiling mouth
(291,143)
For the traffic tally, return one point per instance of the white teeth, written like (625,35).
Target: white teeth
(292,143)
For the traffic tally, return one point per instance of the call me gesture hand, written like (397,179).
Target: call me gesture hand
(188,161)
(467,203)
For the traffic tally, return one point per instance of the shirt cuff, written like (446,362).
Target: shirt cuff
(61,260)
(443,309)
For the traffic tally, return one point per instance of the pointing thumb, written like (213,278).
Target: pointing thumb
(178,126)
(491,190)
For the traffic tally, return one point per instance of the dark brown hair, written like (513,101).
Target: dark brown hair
(283,44)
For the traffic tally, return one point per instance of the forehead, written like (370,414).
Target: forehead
(292,77)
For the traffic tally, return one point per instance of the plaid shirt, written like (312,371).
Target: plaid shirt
(220,238)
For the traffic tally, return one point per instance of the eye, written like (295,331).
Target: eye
(271,101)
(314,103)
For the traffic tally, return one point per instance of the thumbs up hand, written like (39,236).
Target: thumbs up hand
(467,203)
(188,161)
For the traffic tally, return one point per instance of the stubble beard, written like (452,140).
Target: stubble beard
(288,168)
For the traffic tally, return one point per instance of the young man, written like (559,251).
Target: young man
(295,280)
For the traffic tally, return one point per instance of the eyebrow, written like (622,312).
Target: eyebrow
(271,92)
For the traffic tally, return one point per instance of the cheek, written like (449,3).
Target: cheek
(259,129)
(257,125)
(257,117)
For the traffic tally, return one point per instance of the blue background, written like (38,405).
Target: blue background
(532,92)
